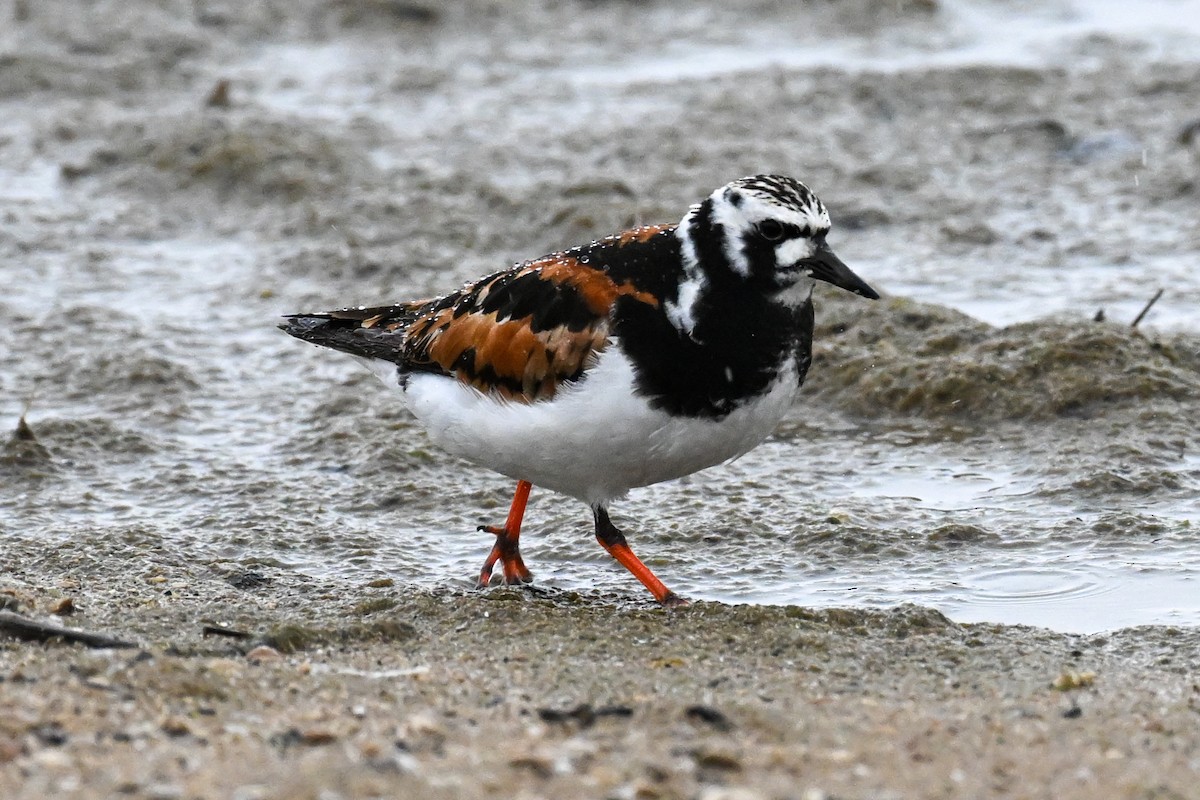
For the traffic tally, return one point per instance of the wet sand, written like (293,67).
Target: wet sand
(383,693)
(187,465)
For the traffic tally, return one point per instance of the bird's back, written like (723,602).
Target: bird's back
(519,334)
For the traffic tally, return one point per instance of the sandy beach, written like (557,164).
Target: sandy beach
(461,695)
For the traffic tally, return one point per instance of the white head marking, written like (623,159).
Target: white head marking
(681,312)
(747,215)
(740,207)
(789,251)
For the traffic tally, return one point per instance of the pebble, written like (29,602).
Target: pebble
(315,737)
(840,756)
(176,726)
(163,791)
(537,765)
(263,654)
(730,793)
(52,759)
(719,760)
(63,607)
(709,716)
(10,749)
(1069,681)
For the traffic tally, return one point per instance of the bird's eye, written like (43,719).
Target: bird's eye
(770,230)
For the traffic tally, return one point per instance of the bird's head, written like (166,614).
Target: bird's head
(768,230)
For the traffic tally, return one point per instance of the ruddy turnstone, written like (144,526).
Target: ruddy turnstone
(638,358)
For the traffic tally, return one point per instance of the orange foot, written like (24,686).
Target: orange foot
(614,542)
(506,550)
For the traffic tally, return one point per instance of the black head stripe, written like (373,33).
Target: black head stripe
(782,189)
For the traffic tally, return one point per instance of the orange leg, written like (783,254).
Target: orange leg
(614,542)
(506,550)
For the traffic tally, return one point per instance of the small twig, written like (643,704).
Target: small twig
(584,714)
(221,630)
(22,627)
(1146,309)
(23,433)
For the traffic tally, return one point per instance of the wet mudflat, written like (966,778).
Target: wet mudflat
(977,447)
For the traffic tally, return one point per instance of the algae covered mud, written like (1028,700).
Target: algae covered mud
(174,176)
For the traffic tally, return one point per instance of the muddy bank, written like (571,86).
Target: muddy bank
(904,357)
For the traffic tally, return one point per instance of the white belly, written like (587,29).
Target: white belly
(596,439)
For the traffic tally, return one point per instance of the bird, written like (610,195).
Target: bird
(637,358)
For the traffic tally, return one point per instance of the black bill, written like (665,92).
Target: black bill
(825,266)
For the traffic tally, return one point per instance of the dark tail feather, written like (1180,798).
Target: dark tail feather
(367,332)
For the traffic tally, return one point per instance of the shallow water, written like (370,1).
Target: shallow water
(140,301)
